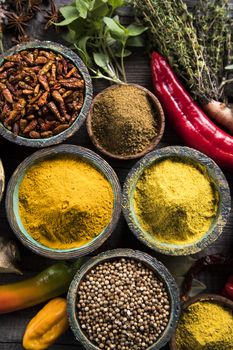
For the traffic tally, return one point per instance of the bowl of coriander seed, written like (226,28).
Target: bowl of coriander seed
(123,299)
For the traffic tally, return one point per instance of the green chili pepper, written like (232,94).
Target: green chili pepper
(53,281)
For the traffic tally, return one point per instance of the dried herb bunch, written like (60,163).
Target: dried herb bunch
(193,43)
(41,93)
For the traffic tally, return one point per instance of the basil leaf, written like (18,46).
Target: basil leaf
(135,29)
(135,41)
(67,21)
(82,6)
(116,3)
(68,11)
(115,28)
(101,59)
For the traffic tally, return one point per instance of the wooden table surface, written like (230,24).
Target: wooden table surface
(12,325)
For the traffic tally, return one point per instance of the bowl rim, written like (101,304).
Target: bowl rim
(153,143)
(213,171)
(76,60)
(155,265)
(201,297)
(77,151)
(2,180)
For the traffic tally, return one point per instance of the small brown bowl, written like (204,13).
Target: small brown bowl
(203,297)
(154,142)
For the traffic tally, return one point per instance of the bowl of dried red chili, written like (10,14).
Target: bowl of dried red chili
(45,94)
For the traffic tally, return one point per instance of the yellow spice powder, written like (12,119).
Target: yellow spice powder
(205,326)
(175,201)
(65,202)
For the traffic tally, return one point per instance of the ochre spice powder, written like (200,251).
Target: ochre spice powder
(175,201)
(124,120)
(65,202)
(205,326)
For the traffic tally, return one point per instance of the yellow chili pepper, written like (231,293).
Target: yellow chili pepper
(44,329)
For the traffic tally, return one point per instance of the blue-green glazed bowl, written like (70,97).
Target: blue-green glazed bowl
(82,114)
(218,180)
(12,202)
(153,264)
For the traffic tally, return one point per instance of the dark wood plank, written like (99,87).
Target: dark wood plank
(13,325)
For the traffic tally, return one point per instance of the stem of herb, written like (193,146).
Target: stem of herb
(122,63)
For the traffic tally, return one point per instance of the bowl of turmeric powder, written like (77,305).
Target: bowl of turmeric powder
(206,322)
(176,200)
(63,202)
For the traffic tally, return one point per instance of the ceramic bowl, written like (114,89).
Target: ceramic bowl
(157,267)
(218,179)
(13,210)
(152,145)
(74,58)
(2,180)
(204,297)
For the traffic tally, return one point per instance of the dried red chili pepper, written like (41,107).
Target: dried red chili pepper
(33,90)
(190,122)
(220,260)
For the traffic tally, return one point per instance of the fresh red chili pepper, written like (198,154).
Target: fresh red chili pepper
(190,122)
(228,290)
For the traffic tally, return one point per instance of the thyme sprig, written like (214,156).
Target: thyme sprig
(193,43)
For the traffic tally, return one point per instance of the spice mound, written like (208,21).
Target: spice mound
(205,326)
(41,93)
(175,201)
(124,120)
(65,202)
(121,304)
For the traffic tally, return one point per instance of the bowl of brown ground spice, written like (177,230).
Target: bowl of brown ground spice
(63,202)
(206,322)
(176,200)
(123,299)
(125,121)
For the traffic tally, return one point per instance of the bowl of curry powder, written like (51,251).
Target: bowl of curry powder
(206,322)
(63,202)
(176,200)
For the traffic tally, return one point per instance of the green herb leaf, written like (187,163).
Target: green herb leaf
(70,14)
(116,3)
(135,29)
(115,28)
(68,11)
(84,56)
(101,59)
(82,6)
(135,41)
(124,54)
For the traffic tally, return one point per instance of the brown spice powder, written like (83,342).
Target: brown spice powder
(124,120)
